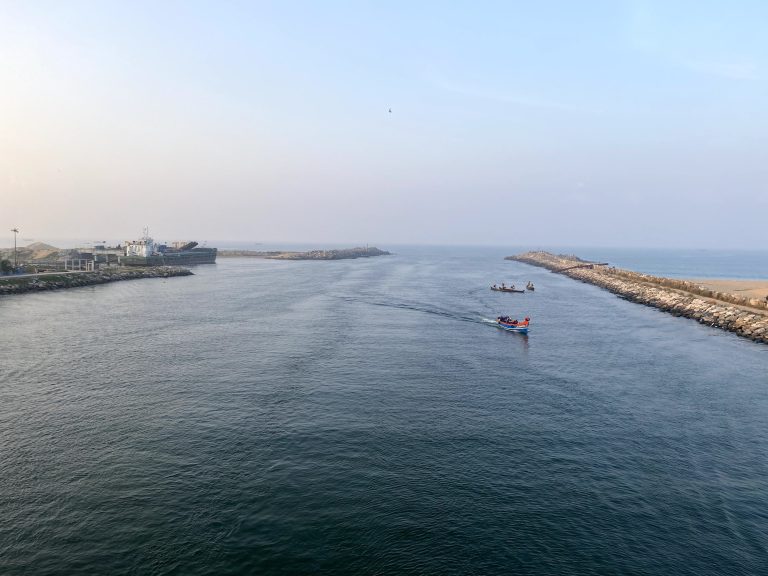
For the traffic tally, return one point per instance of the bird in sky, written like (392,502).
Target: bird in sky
(390,110)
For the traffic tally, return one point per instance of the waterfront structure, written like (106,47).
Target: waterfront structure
(103,255)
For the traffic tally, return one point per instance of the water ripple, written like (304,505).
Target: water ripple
(359,417)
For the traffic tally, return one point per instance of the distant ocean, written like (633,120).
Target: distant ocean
(672,263)
(677,263)
(367,417)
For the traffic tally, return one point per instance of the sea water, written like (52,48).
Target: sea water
(366,417)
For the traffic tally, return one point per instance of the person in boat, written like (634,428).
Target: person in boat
(503,286)
(512,287)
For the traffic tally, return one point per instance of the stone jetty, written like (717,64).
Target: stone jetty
(59,280)
(344,254)
(747,317)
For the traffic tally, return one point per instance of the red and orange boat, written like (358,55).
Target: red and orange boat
(507,323)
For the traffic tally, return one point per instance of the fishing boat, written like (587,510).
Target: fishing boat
(505,289)
(510,325)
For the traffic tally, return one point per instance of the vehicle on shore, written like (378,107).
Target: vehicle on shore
(510,325)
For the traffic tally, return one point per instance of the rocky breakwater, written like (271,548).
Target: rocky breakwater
(747,317)
(344,254)
(57,281)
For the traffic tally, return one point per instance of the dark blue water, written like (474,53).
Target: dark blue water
(362,417)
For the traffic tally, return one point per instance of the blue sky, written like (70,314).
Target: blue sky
(562,123)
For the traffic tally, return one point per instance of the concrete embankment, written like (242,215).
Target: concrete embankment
(56,281)
(747,317)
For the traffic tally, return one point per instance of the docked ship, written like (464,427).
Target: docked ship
(146,252)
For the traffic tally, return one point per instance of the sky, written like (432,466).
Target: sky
(594,123)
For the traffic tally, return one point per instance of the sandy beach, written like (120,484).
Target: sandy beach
(746,288)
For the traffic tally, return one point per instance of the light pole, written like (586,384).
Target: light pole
(15,259)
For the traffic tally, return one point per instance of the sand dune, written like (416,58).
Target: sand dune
(746,288)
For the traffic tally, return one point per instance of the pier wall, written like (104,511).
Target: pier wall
(747,317)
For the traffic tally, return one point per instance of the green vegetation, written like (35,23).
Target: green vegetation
(30,281)
(12,281)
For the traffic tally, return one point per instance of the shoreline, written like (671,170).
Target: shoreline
(58,281)
(716,303)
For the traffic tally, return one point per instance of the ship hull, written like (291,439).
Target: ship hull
(181,258)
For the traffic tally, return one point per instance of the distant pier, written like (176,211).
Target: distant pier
(344,254)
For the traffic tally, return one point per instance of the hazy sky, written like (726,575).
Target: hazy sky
(584,123)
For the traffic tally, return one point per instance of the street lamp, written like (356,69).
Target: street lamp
(15,259)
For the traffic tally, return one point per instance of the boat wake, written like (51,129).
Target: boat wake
(423,308)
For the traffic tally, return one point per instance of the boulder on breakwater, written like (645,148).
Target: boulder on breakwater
(746,317)
(59,280)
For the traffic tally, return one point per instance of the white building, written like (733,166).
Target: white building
(144,247)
